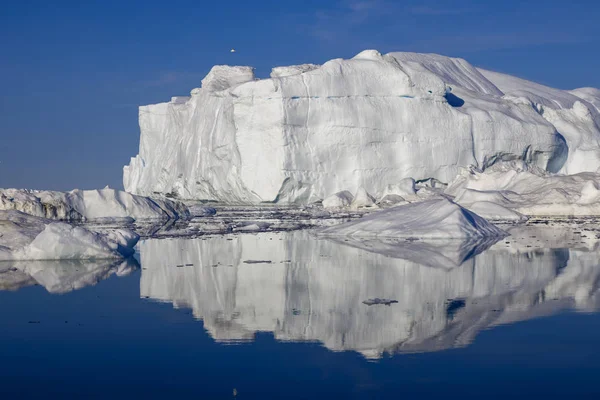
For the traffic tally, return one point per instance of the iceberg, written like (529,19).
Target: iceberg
(78,205)
(309,132)
(26,237)
(430,219)
(513,189)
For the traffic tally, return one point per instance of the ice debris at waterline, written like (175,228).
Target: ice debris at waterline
(90,204)
(517,188)
(311,131)
(26,237)
(430,219)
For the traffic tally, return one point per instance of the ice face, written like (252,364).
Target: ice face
(575,115)
(311,131)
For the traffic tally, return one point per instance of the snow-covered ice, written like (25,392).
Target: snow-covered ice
(26,237)
(515,187)
(90,204)
(338,200)
(311,131)
(430,219)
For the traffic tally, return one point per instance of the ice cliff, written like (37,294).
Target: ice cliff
(311,131)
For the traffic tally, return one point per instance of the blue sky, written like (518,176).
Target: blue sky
(72,73)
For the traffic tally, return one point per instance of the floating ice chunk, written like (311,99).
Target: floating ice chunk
(431,219)
(26,237)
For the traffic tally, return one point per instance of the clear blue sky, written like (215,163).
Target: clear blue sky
(72,73)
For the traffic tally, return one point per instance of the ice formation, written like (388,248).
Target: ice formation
(430,219)
(338,200)
(518,188)
(89,204)
(311,131)
(26,237)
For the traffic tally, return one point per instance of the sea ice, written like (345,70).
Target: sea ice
(26,237)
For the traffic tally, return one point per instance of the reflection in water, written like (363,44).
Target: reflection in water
(313,290)
(61,276)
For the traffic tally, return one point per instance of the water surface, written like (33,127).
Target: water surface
(284,315)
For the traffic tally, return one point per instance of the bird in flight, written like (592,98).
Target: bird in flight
(232,51)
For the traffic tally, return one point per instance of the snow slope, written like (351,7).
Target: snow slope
(311,131)
(574,114)
(26,237)
(89,204)
(430,219)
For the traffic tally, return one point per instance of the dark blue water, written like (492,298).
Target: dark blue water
(105,341)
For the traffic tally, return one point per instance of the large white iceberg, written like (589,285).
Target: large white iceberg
(26,237)
(311,131)
(89,204)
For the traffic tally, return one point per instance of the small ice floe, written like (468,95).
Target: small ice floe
(377,300)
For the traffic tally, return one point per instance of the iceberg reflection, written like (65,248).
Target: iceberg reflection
(314,289)
(61,276)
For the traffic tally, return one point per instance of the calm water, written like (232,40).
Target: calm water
(282,316)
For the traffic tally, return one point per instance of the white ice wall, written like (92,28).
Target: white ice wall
(370,121)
